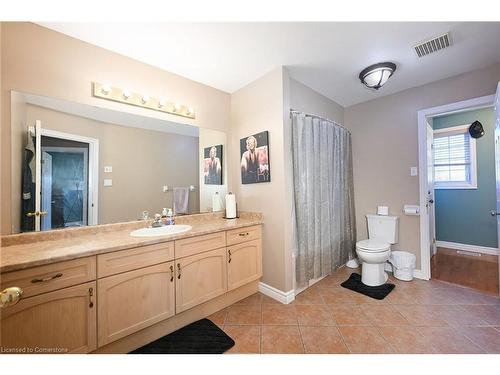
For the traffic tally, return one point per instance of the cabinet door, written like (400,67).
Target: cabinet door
(63,321)
(244,263)
(133,300)
(200,278)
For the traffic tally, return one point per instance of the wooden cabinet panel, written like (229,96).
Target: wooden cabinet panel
(42,279)
(199,244)
(244,263)
(200,278)
(63,321)
(132,259)
(133,300)
(236,236)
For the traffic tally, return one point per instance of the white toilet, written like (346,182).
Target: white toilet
(374,252)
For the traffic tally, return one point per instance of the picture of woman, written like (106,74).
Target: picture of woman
(255,158)
(213,165)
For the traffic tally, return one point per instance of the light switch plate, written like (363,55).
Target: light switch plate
(108,182)
(108,169)
(413,171)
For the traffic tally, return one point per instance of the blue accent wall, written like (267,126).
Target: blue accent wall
(463,216)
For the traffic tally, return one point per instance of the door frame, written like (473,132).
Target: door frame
(457,107)
(93,174)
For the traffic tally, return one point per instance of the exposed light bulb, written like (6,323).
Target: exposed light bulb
(126,94)
(190,111)
(161,103)
(105,89)
(145,99)
(177,107)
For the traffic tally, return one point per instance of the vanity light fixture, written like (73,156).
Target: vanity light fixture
(376,75)
(125,96)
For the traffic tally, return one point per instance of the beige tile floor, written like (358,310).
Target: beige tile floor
(417,317)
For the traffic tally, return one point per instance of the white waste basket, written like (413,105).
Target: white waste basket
(403,264)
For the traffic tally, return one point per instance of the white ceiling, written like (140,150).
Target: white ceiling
(325,56)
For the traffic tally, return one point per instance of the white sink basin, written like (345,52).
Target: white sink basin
(161,231)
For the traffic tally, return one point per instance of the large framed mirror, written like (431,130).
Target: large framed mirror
(75,165)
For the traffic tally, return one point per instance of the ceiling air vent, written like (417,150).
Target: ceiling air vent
(432,45)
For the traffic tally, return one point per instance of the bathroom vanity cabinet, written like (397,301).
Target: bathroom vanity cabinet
(83,304)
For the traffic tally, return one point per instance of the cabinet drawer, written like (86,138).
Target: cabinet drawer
(42,279)
(235,236)
(200,244)
(132,259)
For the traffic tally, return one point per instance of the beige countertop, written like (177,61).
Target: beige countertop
(29,250)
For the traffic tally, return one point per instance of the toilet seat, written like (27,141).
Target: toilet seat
(373,246)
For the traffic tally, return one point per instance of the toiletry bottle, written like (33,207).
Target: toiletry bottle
(170,217)
(164,213)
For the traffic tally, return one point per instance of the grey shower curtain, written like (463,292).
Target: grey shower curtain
(325,231)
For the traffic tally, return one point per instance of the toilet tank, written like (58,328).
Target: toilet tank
(383,228)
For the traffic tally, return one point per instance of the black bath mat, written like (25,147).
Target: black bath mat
(378,292)
(201,337)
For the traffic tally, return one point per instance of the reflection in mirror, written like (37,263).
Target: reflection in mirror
(75,165)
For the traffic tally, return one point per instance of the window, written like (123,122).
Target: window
(454,158)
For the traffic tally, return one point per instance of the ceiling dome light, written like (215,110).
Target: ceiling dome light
(376,75)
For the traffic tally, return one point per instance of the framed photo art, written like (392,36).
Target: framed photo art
(212,167)
(254,161)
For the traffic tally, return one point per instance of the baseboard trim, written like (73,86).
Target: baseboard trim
(465,247)
(418,274)
(278,295)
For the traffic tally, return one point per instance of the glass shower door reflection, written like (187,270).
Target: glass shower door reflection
(64,187)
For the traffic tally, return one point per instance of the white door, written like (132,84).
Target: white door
(46,199)
(430,187)
(497,162)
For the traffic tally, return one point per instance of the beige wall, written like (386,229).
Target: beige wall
(385,146)
(265,105)
(41,61)
(254,108)
(142,160)
(305,99)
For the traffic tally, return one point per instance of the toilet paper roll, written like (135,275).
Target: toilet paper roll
(230,206)
(383,210)
(411,209)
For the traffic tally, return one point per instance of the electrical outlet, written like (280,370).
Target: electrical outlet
(108,182)
(108,169)
(413,171)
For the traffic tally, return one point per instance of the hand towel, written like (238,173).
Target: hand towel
(181,200)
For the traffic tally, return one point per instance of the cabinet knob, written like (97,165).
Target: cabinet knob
(229,253)
(171,273)
(10,296)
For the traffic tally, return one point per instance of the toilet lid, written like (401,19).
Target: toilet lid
(373,245)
